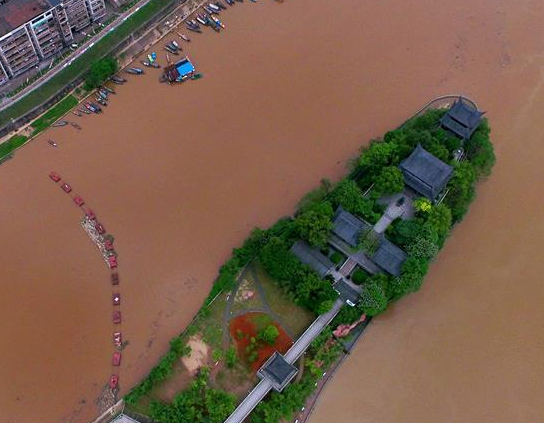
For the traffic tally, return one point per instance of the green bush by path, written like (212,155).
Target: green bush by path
(100,71)
(59,110)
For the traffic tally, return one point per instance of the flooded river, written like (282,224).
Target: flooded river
(179,175)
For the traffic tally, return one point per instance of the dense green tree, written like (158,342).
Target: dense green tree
(389,181)
(359,277)
(100,71)
(461,190)
(423,247)
(368,241)
(373,299)
(413,272)
(479,150)
(269,334)
(439,218)
(278,261)
(348,195)
(314,224)
(404,232)
(315,196)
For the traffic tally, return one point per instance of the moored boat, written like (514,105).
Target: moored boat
(176,45)
(118,80)
(87,112)
(60,123)
(75,112)
(210,10)
(101,101)
(220,5)
(230,2)
(202,19)
(53,144)
(75,125)
(134,71)
(185,37)
(169,49)
(217,21)
(108,89)
(114,380)
(146,64)
(214,7)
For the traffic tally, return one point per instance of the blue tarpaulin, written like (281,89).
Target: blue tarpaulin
(185,67)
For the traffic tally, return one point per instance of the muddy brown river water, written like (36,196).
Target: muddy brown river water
(181,174)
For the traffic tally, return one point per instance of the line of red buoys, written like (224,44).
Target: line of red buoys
(108,251)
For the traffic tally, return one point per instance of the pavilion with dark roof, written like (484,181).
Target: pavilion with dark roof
(461,119)
(348,227)
(278,371)
(313,258)
(389,257)
(425,173)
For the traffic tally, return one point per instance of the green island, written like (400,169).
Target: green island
(369,238)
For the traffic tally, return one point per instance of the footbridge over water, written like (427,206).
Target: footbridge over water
(296,350)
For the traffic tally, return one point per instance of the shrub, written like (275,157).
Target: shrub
(269,334)
(100,71)
(231,357)
(359,276)
(336,257)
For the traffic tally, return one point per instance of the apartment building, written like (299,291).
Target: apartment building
(34,30)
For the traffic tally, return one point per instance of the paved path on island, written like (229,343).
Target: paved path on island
(298,348)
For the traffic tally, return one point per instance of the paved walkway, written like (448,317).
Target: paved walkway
(298,348)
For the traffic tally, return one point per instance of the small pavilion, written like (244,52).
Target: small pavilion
(278,371)
(461,119)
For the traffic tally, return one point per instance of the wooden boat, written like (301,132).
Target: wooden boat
(210,10)
(230,2)
(116,359)
(108,89)
(176,45)
(240,1)
(101,101)
(217,21)
(118,80)
(103,93)
(171,50)
(116,317)
(134,71)
(75,112)
(114,380)
(214,7)
(116,299)
(146,64)
(220,5)
(79,109)
(75,125)
(54,175)
(65,187)
(196,76)
(185,37)
(117,339)
(53,144)
(60,123)
(202,20)
(79,201)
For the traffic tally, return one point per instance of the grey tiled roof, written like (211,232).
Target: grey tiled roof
(278,371)
(312,257)
(425,173)
(462,119)
(389,257)
(347,226)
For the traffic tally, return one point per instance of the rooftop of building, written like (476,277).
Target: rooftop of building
(16,12)
(389,257)
(278,371)
(312,257)
(425,173)
(462,118)
(347,226)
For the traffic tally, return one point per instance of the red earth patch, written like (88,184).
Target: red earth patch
(246,323)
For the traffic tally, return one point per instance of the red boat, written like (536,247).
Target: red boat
(67,188)
(116,317)
(55,176)
(99,228)
(90,214)
(108,244)
(116,359)
(112,262)
(117,341)
(114,279)
(114,380)
(78,200)
(116,298)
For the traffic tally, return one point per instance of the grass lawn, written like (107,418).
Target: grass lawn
(295,317)
(57,111)
(83,62)
(11,144)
